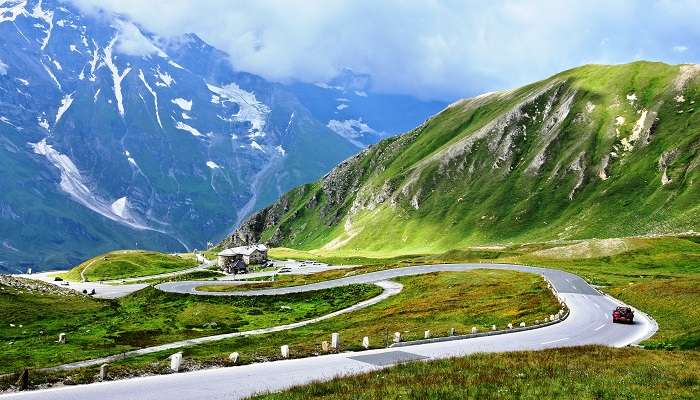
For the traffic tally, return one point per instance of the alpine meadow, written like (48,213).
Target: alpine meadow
(357,200)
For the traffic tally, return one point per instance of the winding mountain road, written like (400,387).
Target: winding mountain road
(588,323)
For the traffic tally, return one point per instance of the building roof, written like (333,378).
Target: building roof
(243,250)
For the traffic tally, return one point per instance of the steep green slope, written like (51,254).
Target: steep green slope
(596,151)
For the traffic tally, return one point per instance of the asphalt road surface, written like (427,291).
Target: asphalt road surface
(589,322)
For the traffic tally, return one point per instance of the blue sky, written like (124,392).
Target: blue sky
(432,49)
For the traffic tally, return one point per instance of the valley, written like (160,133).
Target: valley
(237,202)
(112,137)
(655,274)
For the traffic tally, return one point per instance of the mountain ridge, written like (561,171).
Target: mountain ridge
(111,137)
(595,151)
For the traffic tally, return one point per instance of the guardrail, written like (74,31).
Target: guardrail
(558,318)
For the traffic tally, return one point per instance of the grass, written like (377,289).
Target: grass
(435,302)
(128,264)
(675,303)
(286,280)
(282,253)
(206,274)
(148,317)
(568,373)
(427,191)
(659,275)
(464,299)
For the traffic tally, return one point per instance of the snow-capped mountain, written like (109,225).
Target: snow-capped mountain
(111,137)
(352,109)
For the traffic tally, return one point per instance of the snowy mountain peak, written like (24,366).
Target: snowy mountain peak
(122,139)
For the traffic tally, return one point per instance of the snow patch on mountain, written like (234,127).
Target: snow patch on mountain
(324,85)
(289,124)
(10,10)
(47,17)
(130,159)
(66,101)
(341,106)
(58,65)
(256,146)
(165,79)
(186,105)
(249,108)
(153,93)
(43,122)
(73,184)
(119,207)
(351,129)
(117,77)
(53,77)
(176,65)
(7,121)
(3,68)
(213,165)
(184,127)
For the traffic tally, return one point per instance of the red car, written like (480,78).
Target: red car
(623,315)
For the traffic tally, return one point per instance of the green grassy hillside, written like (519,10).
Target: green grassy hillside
(596,151)
(128,264)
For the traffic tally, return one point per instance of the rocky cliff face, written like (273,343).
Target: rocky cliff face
(598,151)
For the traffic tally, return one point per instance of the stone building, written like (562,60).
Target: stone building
(236,260)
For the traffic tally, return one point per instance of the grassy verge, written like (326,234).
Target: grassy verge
(128,264)
(285,280)
(31,321)
(282,253)
(202,275)
(436,302)
(658,275)
(580,373)
(675,303)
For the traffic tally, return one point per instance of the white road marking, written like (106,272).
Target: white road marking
(596,304)
(554,341)
(599,328)
(574,286)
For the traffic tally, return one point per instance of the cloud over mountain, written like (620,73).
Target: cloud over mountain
(433,49)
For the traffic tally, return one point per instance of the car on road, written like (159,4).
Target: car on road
(284,270)
(623,315)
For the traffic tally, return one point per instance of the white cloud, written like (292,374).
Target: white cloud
(428,48)
(132,42)
(3,68)
(680,48)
